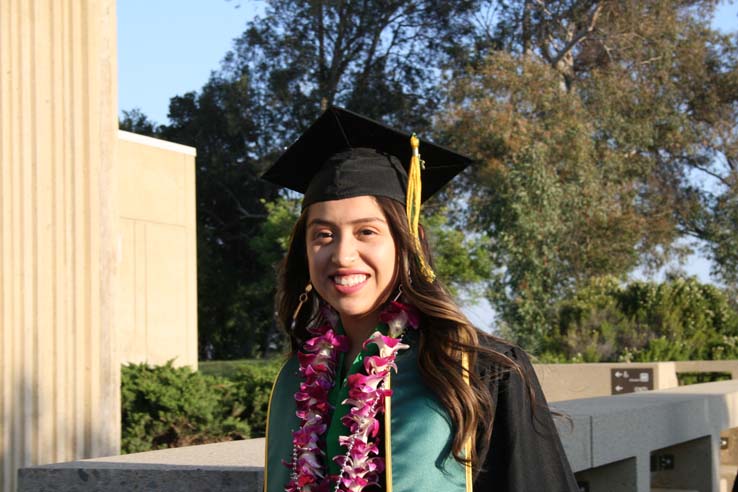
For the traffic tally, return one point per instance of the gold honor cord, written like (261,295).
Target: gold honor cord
(266,434)
(388,436)
(468,443)
(414,186)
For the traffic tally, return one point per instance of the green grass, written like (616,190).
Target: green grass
(229,368)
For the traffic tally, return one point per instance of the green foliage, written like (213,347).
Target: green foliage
(593,124)
(166,407)
(253,379)
(550,209)
(721,231)
(382,59)
(234,308)
(687,378)
(253,387)
(679,319)
(379,58)
(137,122)
(229,368)
(460,259)
(273,240)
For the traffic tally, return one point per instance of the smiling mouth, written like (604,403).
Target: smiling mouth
(349,280)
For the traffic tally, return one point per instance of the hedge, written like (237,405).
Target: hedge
(167,406)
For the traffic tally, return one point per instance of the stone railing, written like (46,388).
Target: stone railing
(667,439)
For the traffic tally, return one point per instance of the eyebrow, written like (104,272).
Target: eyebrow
(352,222)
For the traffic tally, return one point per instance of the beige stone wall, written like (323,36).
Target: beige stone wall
(59,373)
(574,381)
(157,295)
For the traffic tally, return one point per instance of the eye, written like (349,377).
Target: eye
(368,232)
(324,234)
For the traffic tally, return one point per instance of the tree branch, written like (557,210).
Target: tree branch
(711,173)
(580,35)
(244,213)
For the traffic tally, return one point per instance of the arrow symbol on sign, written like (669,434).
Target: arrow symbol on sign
(618,374)
(618,388)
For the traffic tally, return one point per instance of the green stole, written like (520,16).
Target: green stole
(338,394)
(421,430)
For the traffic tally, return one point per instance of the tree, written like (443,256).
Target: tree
(589,120)
(136,121)
(234,307)
(679,319)
(379,58)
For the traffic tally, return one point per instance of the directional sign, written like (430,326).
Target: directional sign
(631,381)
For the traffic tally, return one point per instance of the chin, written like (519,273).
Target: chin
(355,311)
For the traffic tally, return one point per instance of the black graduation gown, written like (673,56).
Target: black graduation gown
(525,453)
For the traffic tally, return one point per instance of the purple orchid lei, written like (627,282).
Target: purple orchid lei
(361,465)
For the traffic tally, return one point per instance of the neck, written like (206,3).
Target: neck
(358,330)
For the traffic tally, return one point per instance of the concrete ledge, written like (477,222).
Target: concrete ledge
(624,431)
(157,142)
(235,466)
(606,438)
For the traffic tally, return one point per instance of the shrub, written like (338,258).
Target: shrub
(169,406)
(253,385)
(680,319)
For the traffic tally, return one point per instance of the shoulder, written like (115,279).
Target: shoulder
(287,376)
(500,357)
(501,346)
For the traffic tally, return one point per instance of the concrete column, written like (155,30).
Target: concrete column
(59,372)
(621,476)
(690,465)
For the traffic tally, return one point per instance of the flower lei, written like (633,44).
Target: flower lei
(361,465)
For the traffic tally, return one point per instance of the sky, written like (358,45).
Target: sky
(170,47)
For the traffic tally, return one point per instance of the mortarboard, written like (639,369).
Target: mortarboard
(343,155)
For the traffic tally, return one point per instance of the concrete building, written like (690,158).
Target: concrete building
(97,237)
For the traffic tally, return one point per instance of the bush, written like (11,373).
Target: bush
(167,406)
(680,319)
(253,386)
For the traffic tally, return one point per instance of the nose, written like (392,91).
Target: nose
(344,251)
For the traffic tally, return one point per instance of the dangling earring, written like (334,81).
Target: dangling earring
(399,293)
(303,299)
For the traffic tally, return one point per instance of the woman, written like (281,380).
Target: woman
(388,386)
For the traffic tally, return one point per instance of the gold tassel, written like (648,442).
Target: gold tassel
(413,206)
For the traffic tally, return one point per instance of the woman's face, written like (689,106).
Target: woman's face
(351,255)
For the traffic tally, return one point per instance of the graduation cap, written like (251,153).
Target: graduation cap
(343,155)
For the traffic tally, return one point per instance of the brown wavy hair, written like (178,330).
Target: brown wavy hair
(445,333)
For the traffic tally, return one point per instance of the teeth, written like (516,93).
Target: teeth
(349,280)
